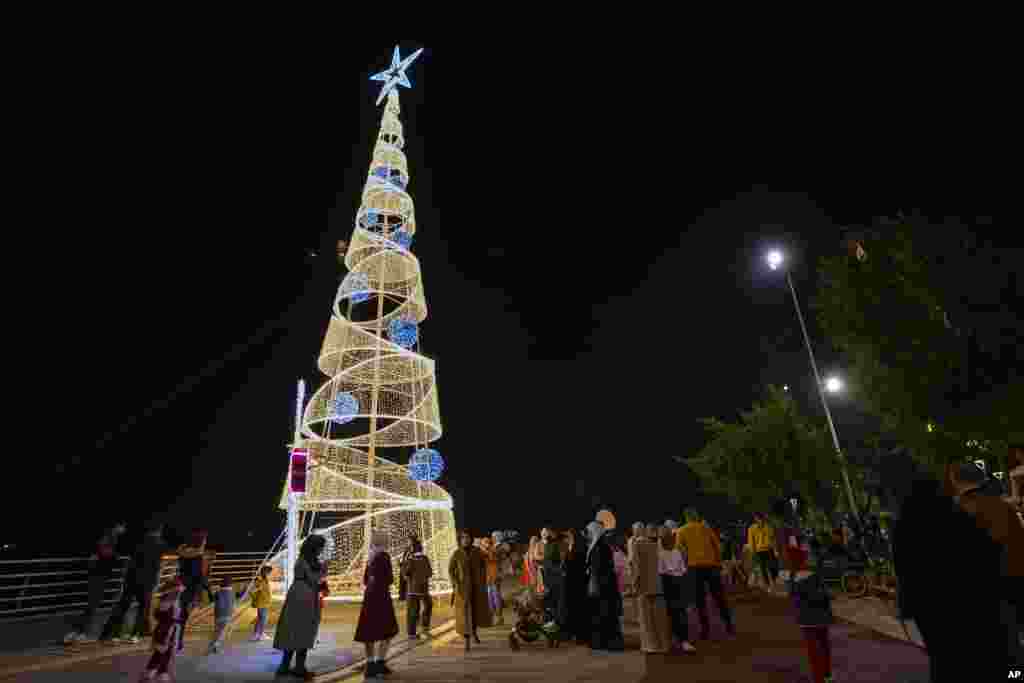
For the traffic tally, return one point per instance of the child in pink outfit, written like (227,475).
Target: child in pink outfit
(169,617)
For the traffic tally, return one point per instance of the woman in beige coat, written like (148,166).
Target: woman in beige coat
(468,575)
(657,638)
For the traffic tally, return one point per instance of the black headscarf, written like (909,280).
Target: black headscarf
(311,549)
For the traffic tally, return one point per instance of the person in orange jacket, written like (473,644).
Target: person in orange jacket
(704,558)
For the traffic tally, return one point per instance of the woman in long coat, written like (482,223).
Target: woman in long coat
(574,615)
(469,596)
(377,623)
(603,593)
(300,617)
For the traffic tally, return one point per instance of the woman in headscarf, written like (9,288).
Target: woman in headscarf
(603,593)
(537,562)
(573,616)
(377,623)
(469,589)
(647,584)
(300,617)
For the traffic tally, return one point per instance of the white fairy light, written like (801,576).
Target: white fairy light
(391,387)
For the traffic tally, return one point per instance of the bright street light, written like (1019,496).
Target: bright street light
(775,258)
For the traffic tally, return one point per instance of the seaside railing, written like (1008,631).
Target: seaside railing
(55,586)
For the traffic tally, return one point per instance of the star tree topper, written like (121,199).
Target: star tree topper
(395,75)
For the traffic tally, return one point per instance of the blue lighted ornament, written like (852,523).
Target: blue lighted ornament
(371,217)
(382,172)
(357,288)
(344,408)
(402,238)
(404,332)
(426,464)
(399,181)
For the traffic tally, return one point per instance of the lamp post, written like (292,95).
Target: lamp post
(775,260)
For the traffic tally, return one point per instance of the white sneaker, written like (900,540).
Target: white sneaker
(688,648)
(164,677)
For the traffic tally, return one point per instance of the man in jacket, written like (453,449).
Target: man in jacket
(761,539)
(983,501)
(192,570)
(102,566)
(416,570)
(929,521)
(704,558)
(140,581)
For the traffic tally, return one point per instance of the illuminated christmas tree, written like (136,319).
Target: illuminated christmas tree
(380,400)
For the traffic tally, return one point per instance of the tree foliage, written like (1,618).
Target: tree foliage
(772,452)
(927,323)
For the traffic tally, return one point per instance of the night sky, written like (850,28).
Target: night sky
(590,237)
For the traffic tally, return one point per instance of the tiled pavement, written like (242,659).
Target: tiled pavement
(768,648)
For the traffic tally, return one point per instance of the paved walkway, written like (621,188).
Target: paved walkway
(241,659)
(768,648)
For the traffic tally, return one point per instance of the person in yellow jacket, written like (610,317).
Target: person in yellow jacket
(761,539)
(261,603)
(704,560)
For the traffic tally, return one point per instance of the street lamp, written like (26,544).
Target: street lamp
(775,260)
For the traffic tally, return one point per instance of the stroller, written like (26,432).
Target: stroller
(530,620)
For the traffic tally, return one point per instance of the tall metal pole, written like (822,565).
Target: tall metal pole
(292,531)
(824,403)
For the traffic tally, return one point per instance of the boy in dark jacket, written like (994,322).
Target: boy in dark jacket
(813,606)
(416,571)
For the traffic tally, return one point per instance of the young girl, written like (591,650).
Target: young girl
(261,603)
(814,615)
(169,622)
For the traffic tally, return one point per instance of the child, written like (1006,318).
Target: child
(223,610)
(417,572)
(261,603)
(166,635)
(814,615)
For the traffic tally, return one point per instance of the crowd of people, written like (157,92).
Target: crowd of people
(576,586)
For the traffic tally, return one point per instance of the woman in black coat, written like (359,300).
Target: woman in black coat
(603,593)
(574,617)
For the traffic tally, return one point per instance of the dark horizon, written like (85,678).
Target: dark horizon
(595,289)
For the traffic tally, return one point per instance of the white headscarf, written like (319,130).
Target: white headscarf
(595,530)
(378,544)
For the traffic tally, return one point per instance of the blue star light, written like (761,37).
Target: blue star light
(395,75)
(356,287)
(426,464)
(402,238)
(404,332)
(344,408)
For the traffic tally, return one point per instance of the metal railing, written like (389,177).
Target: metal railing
(55,586)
